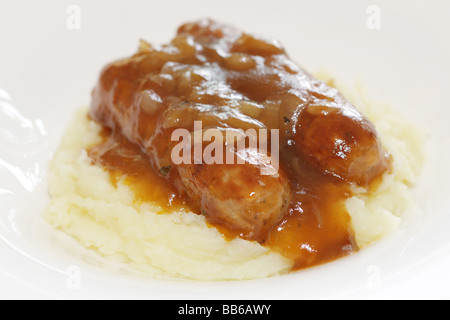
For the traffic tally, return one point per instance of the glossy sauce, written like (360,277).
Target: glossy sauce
(231,80)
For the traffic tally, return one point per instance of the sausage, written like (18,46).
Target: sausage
(231,80)
(236,196)
(339,140)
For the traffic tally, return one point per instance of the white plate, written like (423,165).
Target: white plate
(50,57)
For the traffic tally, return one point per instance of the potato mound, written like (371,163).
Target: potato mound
(106,218)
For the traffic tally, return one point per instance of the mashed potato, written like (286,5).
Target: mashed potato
(106,218)
(379,213)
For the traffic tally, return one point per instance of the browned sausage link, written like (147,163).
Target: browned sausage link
(340,141)
(237,197)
